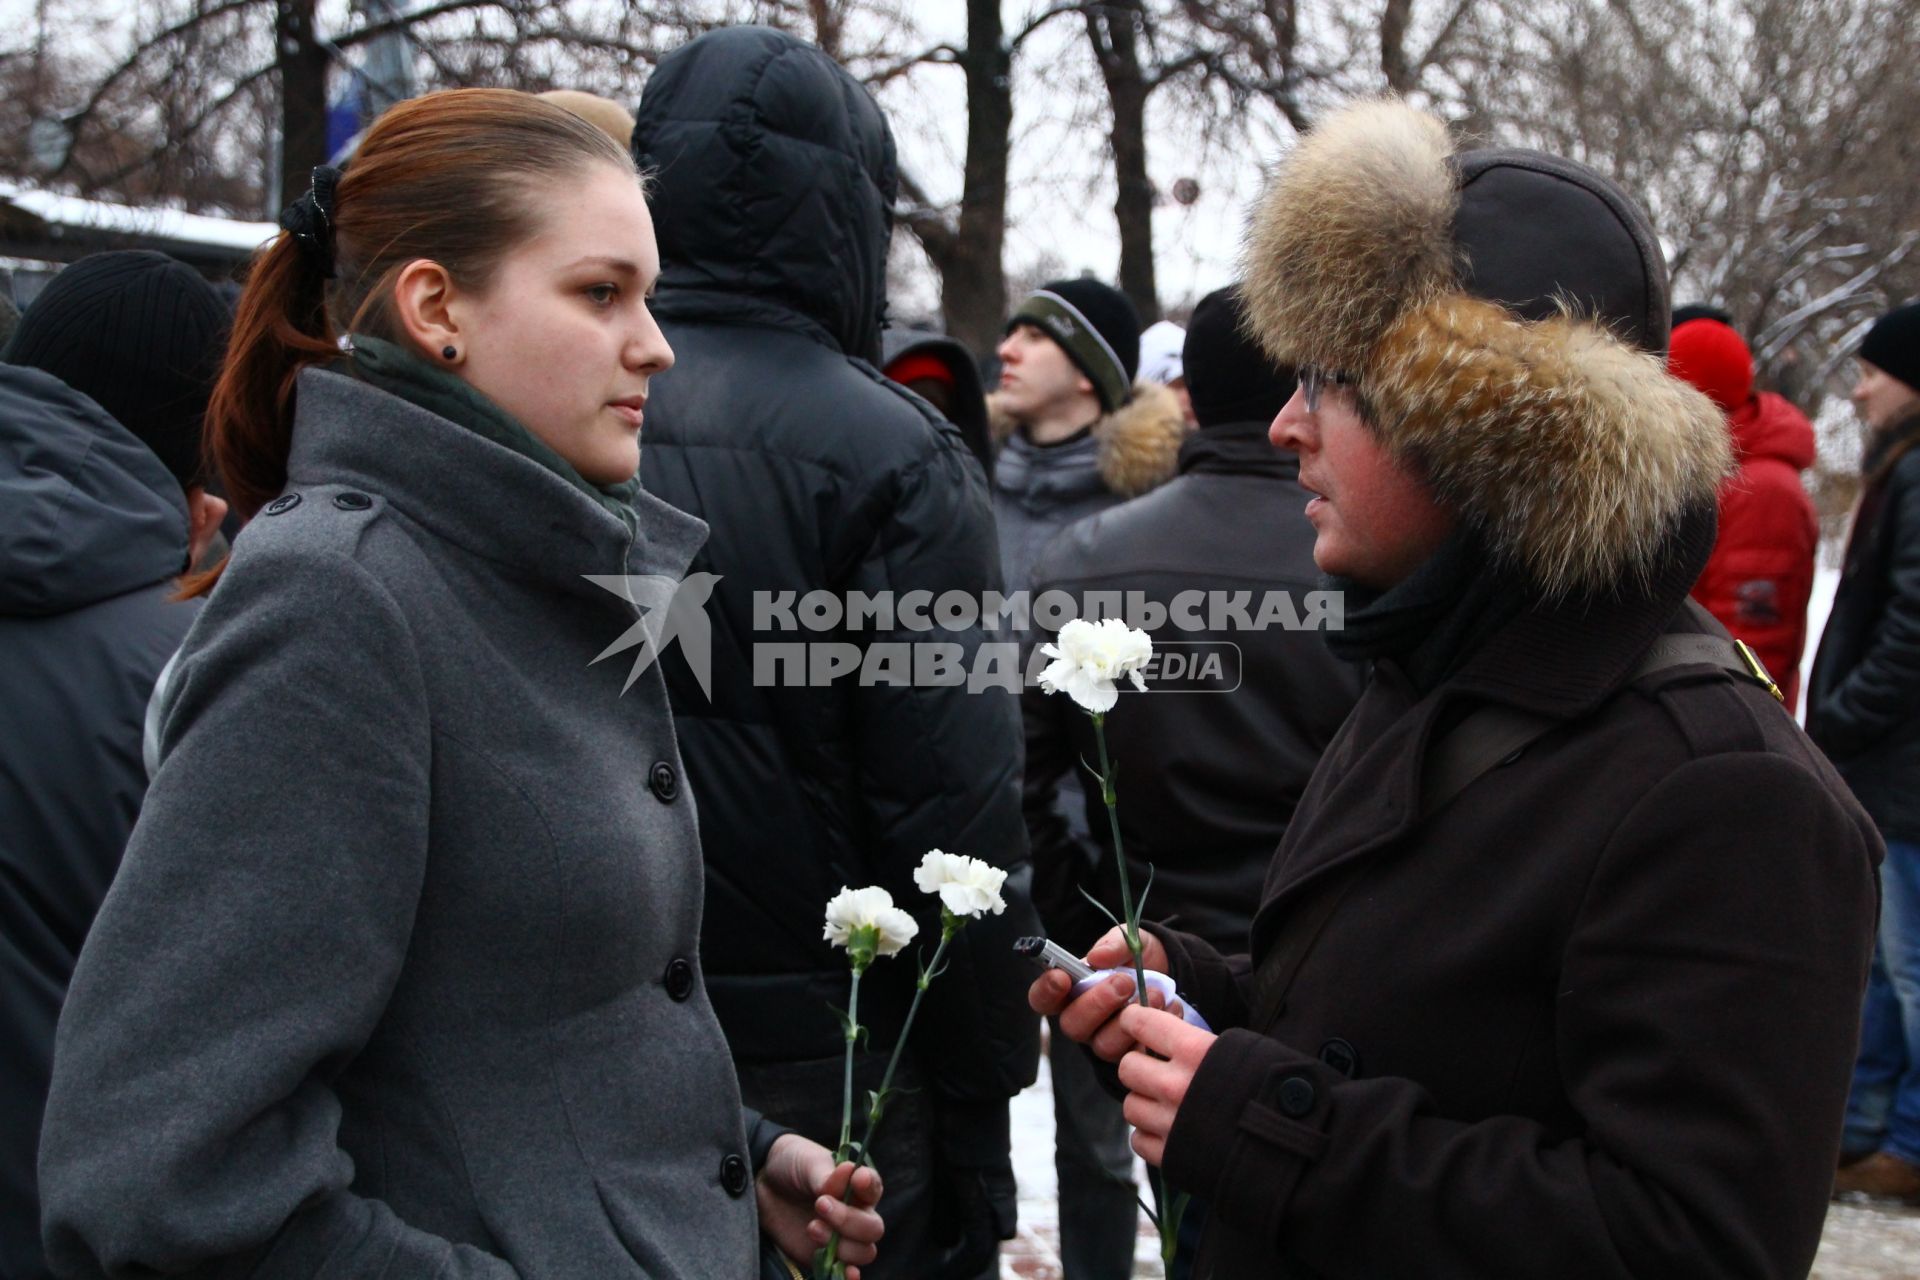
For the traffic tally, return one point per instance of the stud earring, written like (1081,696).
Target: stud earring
(447,352)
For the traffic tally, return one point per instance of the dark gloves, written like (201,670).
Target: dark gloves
(976,1202)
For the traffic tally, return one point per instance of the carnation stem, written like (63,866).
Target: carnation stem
(1130,918)
(1173,1204)
(841,1151)
(950,925)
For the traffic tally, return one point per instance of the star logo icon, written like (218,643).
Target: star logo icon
(670,609)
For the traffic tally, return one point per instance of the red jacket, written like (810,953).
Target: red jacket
(1761,572)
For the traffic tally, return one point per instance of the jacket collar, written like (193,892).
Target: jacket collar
(1237,448)
(486,499)
(1136,448)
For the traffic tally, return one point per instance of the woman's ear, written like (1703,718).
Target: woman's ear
(423,300)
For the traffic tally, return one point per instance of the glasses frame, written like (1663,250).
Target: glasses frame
(1314,382)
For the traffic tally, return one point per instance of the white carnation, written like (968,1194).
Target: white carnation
(966,886)
(853,911)
(1088,657)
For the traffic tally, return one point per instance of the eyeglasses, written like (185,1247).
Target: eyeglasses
(1314,381)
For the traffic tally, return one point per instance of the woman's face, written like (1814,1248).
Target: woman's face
(561,338)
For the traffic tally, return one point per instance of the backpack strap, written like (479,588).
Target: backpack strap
(1492,735)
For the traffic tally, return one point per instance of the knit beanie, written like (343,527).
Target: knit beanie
(140,334)
(1230,378)
(1095,325)
(1893,344)
(1711,356)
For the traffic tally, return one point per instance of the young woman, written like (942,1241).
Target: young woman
(400,974)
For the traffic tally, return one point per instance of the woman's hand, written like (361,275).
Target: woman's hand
(1090,1017)
(1157,1073)
(799,1195)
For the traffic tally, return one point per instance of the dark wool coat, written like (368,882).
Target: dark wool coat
(775,178)
(1594,1018)
(399,976)
(1863,703)
(1210,774)
(93,531)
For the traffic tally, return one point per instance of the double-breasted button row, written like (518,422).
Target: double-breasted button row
(664,781)
(678,979)
(283,504)
(735,1175)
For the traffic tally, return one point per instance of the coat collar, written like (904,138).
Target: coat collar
(1135,448)
(1237,448)
(1558,659)
(474,493)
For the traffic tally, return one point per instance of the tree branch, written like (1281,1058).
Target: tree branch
(1042,18)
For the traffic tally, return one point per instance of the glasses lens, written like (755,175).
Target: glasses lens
(1311,382)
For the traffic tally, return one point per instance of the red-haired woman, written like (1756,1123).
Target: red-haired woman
(400,975)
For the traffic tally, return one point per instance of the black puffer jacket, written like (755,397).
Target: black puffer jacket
(1210,778)
(1863,703)
(816,473)
(92,532)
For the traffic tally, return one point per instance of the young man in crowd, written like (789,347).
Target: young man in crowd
(1863,708)
(1557,970)
(102,506)
(1079,433)
(775,178)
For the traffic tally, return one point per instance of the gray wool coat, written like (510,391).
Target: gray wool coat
(400,974)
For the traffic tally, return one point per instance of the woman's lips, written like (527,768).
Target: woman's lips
(633,411)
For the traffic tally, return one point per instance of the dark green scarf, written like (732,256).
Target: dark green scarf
(399,372)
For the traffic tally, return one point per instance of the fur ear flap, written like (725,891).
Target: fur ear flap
(1574,453)
(1355,229)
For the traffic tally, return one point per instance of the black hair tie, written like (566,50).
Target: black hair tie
(309,220)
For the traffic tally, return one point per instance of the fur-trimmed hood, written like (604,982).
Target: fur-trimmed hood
(1139,442)
(1571,450)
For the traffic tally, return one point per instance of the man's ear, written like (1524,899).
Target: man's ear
(205,511)
(423,301)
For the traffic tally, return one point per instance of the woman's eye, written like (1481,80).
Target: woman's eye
(603,294)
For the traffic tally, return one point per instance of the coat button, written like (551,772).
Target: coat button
(1296,1096)
(352,501)
(663,781)
(734,1176)
(678,978)
(283,504)
(1341,1056)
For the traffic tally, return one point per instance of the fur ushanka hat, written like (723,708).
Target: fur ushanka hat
(1503,314)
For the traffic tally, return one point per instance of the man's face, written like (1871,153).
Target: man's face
(1036,378)
(1376,519)
(1880,398)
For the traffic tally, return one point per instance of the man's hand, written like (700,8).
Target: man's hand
(799,1197)
(1157,1073)
(1089,1018)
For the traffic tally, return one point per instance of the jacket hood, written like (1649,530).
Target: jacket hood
(1139,443)
(969,410)
(774,177)
(1569,449)
(87,512)
(1767,426)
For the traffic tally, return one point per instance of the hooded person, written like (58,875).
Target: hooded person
(101,510)
(1078,433)
(1760,575)
(775,179)
(942,372)
(1227,526)
(1557,968)
(1863,708)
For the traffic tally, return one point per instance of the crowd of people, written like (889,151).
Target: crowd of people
(360,920)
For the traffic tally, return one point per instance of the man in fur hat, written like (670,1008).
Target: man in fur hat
(1556,971)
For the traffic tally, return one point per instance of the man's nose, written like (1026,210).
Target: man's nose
(1291,424)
